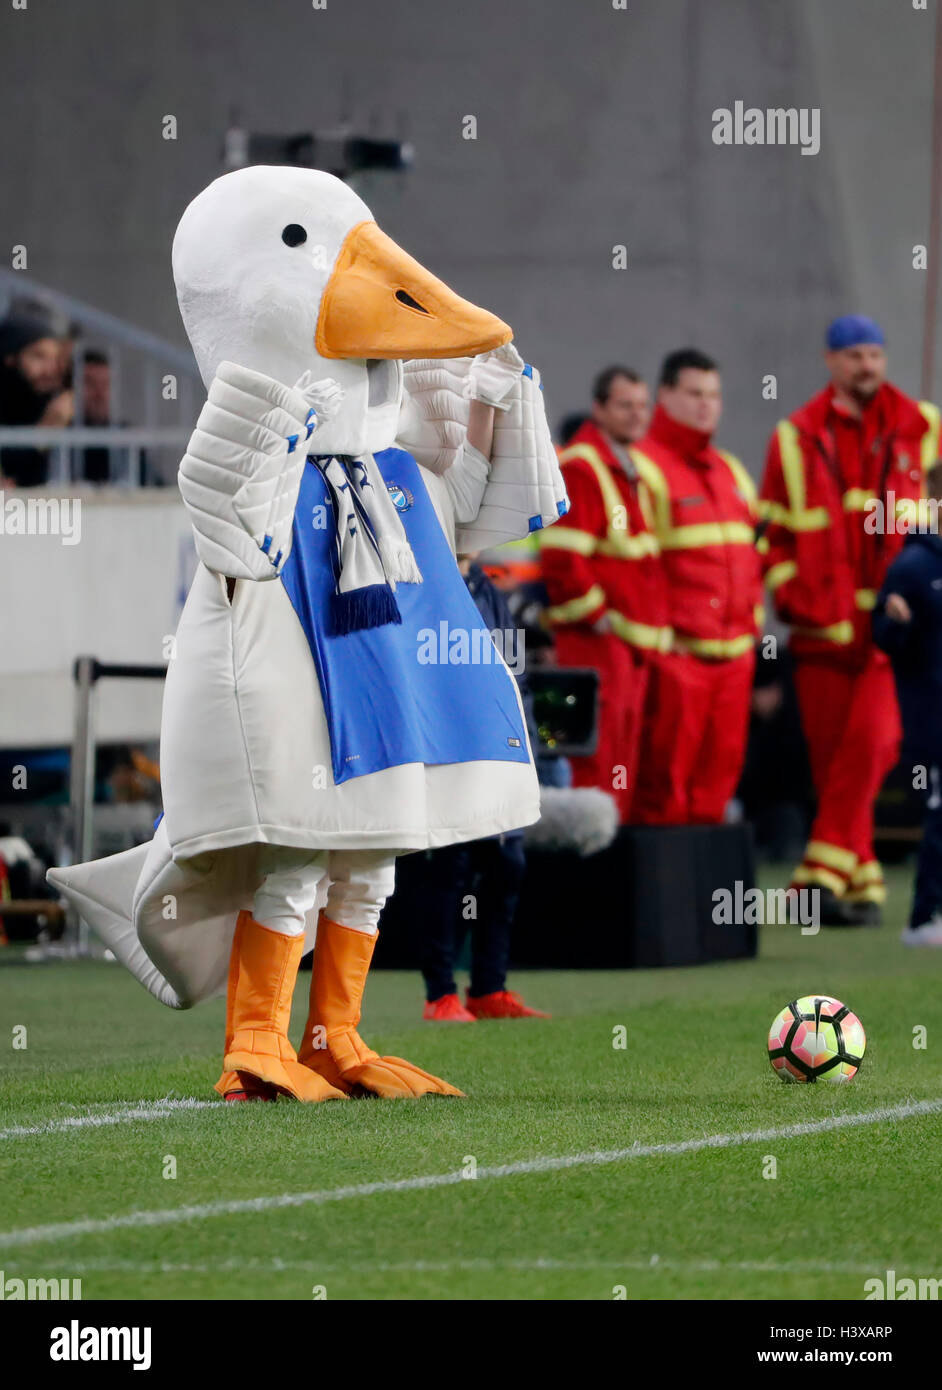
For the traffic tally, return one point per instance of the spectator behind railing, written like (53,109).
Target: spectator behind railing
(97,463)
(33,365)
(37,388)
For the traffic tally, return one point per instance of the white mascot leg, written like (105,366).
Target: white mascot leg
(360,882)
(259,1061)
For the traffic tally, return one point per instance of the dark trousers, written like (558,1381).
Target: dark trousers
(927,898)
(466,886)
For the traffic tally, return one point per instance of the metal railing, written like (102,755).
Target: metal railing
(126,445)
(87,672)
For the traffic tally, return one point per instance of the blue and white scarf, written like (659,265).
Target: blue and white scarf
(371,552)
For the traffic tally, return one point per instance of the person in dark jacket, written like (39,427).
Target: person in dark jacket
(32,369)
(907,624)
(474,885)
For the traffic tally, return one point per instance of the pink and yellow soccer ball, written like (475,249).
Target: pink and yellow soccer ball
(816,1038)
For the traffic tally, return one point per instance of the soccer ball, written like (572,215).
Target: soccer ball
(816,1038)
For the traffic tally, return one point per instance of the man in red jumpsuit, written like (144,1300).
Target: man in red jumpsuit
(601,567)
(705,514)
(844,474)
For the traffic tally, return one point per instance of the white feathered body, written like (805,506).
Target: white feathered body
(245,749)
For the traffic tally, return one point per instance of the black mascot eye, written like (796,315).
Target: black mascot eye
(293,235)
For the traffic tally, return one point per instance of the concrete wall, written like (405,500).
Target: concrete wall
(594,129)
(105,573)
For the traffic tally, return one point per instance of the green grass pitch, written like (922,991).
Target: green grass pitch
(848,1202)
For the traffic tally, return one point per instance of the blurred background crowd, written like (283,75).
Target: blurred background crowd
(44,384)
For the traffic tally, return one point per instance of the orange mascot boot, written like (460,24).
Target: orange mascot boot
(259,1061)
(231,1086)
(332,1048)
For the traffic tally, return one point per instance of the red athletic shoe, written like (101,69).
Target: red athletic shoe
(504,1003)
(448,1008)
(246,1087)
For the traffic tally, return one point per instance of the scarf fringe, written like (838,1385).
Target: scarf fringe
(399,561)
(356,609)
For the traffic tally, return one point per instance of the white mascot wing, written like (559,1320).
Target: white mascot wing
(434,418)
(521,489)
(242,469)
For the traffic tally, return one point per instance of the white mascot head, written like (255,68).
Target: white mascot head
(285,271)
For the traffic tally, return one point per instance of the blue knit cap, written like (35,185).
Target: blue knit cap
(853,329)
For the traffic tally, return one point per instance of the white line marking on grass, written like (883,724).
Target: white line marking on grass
(133,1110)
(68,1230)
(470,1266)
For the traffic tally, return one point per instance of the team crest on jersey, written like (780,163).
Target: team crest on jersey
(402,498)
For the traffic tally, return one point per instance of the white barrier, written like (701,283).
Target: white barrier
(114,585)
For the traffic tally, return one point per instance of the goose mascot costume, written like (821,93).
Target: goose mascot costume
(334,697)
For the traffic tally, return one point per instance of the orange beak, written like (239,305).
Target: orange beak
(379,302)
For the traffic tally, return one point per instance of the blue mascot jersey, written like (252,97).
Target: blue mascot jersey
(429,690)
